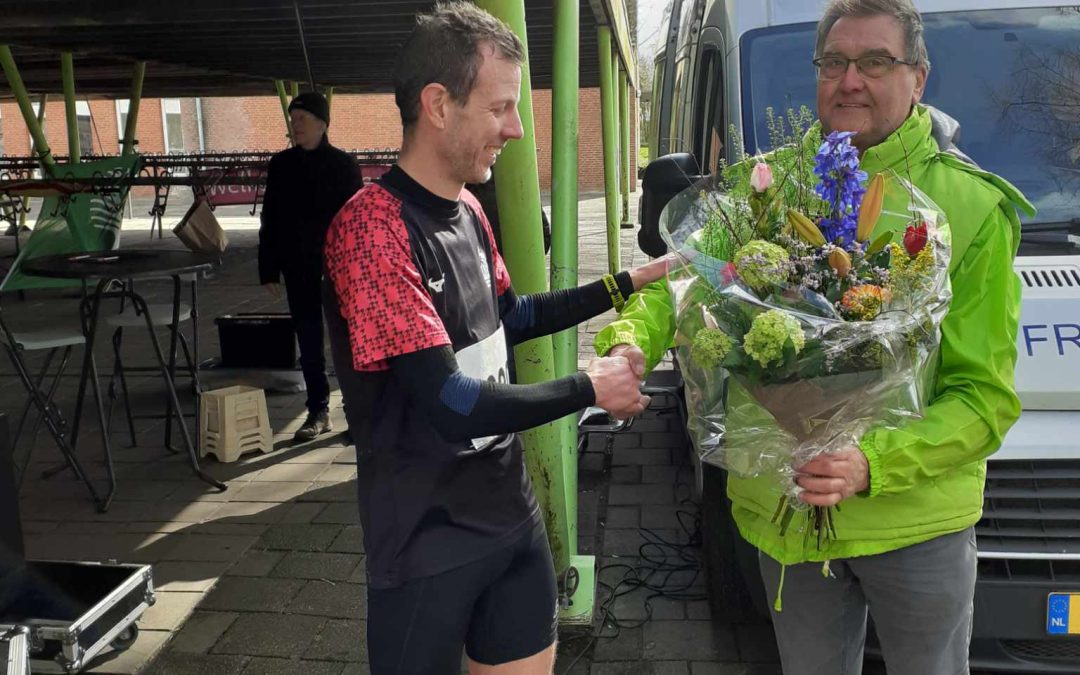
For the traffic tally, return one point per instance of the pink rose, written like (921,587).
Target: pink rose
(761,177)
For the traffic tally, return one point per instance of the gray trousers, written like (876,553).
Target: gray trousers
(920,597)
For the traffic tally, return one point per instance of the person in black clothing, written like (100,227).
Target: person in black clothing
(305,187)
(421,315)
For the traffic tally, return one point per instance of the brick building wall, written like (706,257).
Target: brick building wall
(256,123)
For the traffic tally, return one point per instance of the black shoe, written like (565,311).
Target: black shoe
(315,424)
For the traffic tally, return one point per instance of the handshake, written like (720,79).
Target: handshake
(616,380)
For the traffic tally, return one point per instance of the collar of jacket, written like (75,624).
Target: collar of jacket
(910,145)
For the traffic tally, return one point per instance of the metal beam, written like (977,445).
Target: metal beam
(67,69)
(564,172)
(133,108)
(609,123)
(303,44)
(284,98)
(612,13)
(565,97)
(11,72)
(551,462)
(624,147)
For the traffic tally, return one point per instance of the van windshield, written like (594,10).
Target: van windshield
(1010,77)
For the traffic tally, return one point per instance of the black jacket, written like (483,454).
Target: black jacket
(304,191)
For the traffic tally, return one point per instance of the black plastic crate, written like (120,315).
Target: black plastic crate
(257,341)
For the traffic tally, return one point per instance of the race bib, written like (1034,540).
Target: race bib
(485,360)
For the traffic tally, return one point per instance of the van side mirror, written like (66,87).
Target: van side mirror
(661,180)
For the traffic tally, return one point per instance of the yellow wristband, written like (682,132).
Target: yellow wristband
(612,286)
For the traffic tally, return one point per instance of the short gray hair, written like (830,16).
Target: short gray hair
(902,10)
(444,48)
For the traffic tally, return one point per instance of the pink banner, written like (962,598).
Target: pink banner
(223,194)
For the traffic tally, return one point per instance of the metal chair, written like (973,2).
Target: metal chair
(161,314)
(53,341)
(42,389)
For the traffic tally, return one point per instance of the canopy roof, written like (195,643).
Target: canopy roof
(239,47)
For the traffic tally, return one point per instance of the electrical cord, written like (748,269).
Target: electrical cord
(665,569)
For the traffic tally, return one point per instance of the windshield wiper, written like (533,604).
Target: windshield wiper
(1051,239)
(1052,226)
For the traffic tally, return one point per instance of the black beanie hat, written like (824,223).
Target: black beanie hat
(313,102)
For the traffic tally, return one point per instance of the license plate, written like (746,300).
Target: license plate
(1063,614)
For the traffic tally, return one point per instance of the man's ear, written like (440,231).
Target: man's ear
(434,104)
(921,73)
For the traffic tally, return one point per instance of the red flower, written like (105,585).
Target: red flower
(915,239)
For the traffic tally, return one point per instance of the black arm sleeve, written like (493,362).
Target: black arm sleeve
(530,316)
(462,407)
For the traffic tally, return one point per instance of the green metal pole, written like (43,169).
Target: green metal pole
(565,96)
(624,146)
(11,72)
(610,120)
(294,89)
(564,171)
(133,107)
(552,464)
(329,96)
(67,71)
(284,98)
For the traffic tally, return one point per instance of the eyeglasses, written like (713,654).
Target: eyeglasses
(873,66)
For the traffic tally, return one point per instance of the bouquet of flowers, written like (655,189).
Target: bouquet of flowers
(808,304)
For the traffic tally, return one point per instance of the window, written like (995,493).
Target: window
(656,101)
(174,128)
(708,117)
(675,141)
(86,127)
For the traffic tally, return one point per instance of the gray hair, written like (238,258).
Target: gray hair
(902,10)
(444,48)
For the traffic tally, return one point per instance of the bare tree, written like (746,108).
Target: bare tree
(1042,101)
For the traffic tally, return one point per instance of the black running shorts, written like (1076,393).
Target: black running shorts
(501,608)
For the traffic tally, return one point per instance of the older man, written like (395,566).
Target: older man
(305,187)
(905,544)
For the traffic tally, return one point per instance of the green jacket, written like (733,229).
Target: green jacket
(927,477)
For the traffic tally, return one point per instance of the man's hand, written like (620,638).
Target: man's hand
(650,271)
(634,355)
(616,387)
(273,289)
(831,478)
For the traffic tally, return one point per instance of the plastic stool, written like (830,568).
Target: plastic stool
(234,421)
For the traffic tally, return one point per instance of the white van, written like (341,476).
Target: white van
(1009,73)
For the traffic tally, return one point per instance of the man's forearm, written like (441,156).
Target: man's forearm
(530,316)
(462,407)
(647,321)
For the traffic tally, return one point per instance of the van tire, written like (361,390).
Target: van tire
(726,576)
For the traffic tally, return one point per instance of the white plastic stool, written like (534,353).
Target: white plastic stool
(234,421)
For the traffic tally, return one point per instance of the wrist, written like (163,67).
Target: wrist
(617,350)
(611,285)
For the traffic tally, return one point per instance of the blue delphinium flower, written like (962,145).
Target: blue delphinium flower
(837,165)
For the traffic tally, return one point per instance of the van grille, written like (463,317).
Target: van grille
(1031,509)
(1063,649)
(1051,277)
